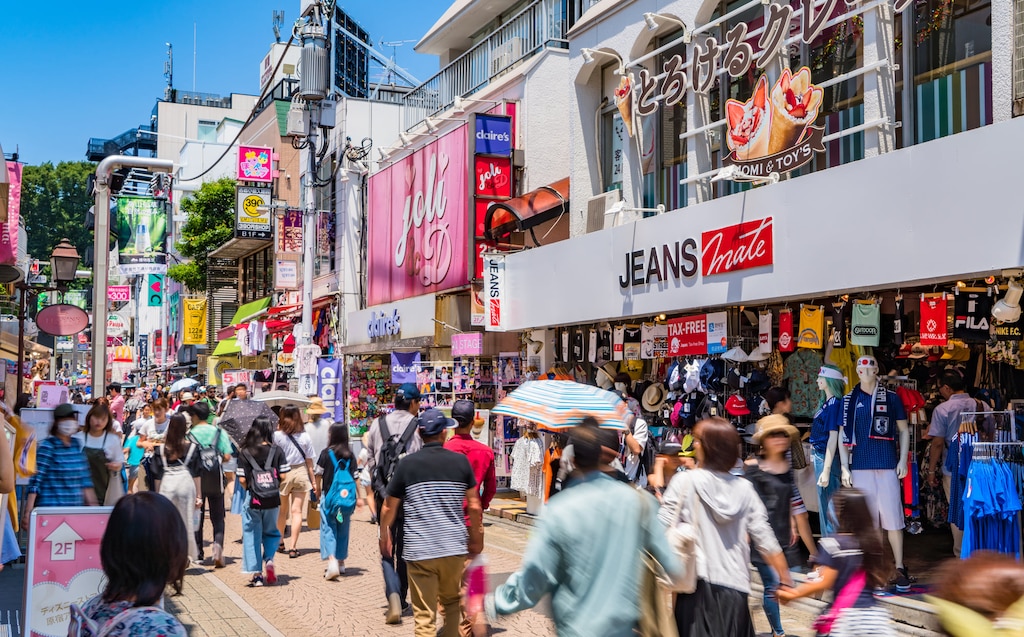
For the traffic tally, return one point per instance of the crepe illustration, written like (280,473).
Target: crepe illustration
(624,100)
(794,106)
(749,124)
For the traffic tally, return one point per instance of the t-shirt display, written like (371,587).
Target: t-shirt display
(812,327)
(801,370)
(838,315)
(786,341)
(865,327)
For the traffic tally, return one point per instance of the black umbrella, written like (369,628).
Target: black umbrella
(239,414)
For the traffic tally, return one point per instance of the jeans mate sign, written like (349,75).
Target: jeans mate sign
(419,222)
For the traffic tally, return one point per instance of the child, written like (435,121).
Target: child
(851,565)
(132,458)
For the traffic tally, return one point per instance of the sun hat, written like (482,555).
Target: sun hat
(654,397)
(736,355)
(316,406)
(606,375)
(772,424)
(756,356)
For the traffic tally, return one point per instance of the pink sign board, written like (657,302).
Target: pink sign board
(468,344)
(9,229)
(63,565)
(255,164)
(419,222)
(119,293)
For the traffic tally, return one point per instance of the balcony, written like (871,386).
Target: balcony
(539,25)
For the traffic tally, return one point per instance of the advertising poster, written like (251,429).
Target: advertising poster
(252,213)
(289,231)
(141,235)
(329,387)
(194,320)
(508,368)
(254,164)
(9,228)
(718,332)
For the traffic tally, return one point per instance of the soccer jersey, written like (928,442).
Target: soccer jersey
(828,419)
(873,452)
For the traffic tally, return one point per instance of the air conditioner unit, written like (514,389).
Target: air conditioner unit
(597,207)
(505,55)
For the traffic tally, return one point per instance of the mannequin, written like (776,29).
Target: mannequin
(827,422)
(878,454)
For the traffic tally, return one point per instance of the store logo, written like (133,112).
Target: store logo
(493,135)
(865,330)
(382,325)
(739,247)
(660,263)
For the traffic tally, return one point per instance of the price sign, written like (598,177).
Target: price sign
(119,293)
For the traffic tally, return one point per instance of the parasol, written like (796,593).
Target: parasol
(182,384)
(559,404)
(282,399)
(239,414)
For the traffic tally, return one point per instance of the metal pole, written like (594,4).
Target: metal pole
(309,230)
(101,268)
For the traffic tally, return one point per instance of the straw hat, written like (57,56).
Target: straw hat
(654,398)
(772,424)
(316,406)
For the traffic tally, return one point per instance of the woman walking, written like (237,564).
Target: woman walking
(261,466)
(725,510)
(176,470)
(293,440)
(338,484)
(851,565)
(102,448)
(62,473)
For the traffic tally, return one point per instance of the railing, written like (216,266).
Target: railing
(283,90)
(540,24)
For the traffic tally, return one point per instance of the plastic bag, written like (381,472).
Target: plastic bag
(476,591)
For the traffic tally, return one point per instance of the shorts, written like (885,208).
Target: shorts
(231,466)
(360,490)
(881,489)
(133,472)
(295,481)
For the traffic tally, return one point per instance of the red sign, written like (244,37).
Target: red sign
(119,293)
(934,321)
(688,336)
(492,177)
(739,247)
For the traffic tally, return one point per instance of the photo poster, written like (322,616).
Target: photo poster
(141,235)
(509,368)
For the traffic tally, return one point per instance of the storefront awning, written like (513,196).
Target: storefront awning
(238,248)
(250,310)
(227,347)
(528,211)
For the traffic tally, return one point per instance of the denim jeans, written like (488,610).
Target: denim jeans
(260,537)
(334,534)
(770,580)
(825,494)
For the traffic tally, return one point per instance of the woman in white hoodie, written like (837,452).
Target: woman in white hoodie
(727,511)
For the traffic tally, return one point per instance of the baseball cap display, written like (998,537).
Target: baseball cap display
(711,373)
(433,422)
(737,406)
(736,355)
(918,351)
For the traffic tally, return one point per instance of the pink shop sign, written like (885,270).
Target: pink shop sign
(419,222)
(468,344)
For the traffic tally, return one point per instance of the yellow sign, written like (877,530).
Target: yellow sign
(194,320)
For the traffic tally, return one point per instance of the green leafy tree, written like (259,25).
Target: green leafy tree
(54,204)
(209,224)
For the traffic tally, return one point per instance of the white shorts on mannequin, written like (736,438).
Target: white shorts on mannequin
(881,488)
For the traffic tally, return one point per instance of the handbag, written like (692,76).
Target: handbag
(797,457)
(656,616)
(683,538)
(313,512)
(115,489)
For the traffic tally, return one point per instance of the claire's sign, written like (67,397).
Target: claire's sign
(493,135)
(382,324)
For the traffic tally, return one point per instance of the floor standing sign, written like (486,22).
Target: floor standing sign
(63,565)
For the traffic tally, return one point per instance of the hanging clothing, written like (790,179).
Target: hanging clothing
(801,370)
(991,508)
(528,466)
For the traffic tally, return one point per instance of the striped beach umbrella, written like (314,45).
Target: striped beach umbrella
(558,404)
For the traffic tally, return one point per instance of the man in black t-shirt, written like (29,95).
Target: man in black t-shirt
(431,487)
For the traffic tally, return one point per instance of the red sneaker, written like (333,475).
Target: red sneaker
(271,575)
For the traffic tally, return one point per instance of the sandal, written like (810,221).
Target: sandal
(294,553)
(281,549)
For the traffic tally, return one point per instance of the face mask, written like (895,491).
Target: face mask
(67,427)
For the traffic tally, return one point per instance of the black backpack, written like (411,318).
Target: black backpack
(392,450)
(264,483)
(211,476)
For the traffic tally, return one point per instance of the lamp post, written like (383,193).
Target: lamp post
(63,265)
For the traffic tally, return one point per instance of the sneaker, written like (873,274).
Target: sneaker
(218,556)
(256,581)
(271,574)
(903,580)
(332,570)
(341,568)
(394,612)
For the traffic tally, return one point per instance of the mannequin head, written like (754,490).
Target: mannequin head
(867,371)
(831,382)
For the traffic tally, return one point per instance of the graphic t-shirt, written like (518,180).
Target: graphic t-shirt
(786,341)
(933,321)
(812,327)
(828,419)
(899,323)
(801,370)
(619,334)
(865,329)
(838,335)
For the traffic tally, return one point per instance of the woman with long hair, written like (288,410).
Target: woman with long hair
(260,460)
(851,565)
(176,469)
(101,445)
(143,551)
(296,486)
(338,464)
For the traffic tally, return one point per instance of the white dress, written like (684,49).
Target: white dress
(528,467)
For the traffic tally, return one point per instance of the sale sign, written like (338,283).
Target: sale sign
(688,336)
(63,565)
(119,293)
(739,247)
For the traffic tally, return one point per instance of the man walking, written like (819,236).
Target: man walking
(431,486)
(388,439)
(586,551)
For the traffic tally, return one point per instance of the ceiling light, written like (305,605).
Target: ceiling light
(652,24)
(1007,309)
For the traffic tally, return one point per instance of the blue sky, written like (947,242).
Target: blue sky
(75,70)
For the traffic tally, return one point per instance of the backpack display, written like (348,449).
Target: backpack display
(211,478)
(391,451)
(264,483)
(342,494)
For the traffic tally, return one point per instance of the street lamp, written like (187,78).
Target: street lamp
(63,265)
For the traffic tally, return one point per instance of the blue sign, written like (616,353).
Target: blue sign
(493,135)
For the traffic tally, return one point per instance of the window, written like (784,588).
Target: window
(614,138)
(665,164)
(207,131)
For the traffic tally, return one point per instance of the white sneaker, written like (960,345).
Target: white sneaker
(332,570)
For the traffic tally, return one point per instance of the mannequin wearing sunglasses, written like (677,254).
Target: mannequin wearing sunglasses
(876,432)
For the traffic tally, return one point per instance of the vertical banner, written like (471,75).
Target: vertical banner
(143,345)
(404,367)
(494,292)
(141,235)
(329,387)
(194,318)
(155,290)
(289,231)
(9,228)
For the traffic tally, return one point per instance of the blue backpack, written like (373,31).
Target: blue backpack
(342,494)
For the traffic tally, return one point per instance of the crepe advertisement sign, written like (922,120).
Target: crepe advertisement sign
(772,132)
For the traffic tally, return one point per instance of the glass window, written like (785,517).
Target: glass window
(666,164)
(207,131)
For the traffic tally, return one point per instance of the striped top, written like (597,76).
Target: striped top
(432,485)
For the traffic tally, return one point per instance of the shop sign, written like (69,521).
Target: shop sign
(493,135)
(237,377)
(143,346)
(467,344)
(9,226)
(254,164)
(194,321)
(383,325)
(252,213)
(289,231)
(1008,332)
(492,177)
(119,293)
(739,247)
(329,380)
(419,222)
(286,271)
(660,263)
(718,332)
(117,325)
(65,344)
(688,336)
(494,291)
(404,367)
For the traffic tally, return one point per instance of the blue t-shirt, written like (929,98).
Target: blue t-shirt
(828,419)
(873,453)
(134,452)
